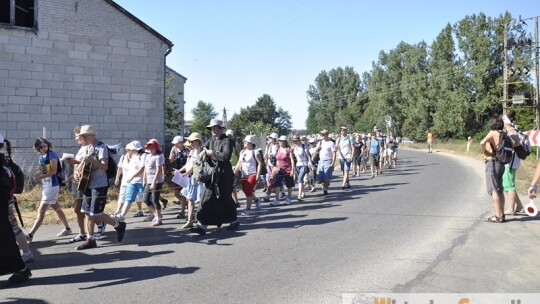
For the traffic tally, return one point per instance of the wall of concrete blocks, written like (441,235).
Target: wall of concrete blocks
(87,63)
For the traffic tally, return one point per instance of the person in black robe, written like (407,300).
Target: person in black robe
(217,205)
(10,257)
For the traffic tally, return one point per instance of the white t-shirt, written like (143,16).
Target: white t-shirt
(131,166)
(249,162)
(328,147)
(345,151)
(151,166)
(301,155)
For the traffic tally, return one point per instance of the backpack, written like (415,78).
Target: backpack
(203,171)
(503,154)
(112,166)
(523,150)
(264,171)
(19,177)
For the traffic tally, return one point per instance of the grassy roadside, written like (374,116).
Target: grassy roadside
(29,201)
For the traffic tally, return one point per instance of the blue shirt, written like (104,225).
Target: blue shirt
(373,146)
(45,165)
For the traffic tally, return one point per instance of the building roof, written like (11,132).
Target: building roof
(175,72)
(140,22)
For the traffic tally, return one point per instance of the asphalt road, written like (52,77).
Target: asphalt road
(415,228)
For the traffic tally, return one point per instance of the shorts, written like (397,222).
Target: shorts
(94,201)
(494,172)
(345,165)
(49,195)
(301,172)
(357,159)
(151,197)
(248,185)
(324,170)
(133,193)
(289,180)
(509,179)
(374,160)
(430,144)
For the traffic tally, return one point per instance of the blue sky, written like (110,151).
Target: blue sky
(233,52)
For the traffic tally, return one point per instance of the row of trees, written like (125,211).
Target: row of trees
(452,86)
(264,117)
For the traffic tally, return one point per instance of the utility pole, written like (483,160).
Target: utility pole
(505,70)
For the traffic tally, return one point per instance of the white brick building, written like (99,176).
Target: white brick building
(79,62)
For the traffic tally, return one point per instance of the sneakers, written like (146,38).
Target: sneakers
(164,202)
(149,217)
(64,231)
(247,212)
(120,218)
(29,237)
(274,202)
(312,189)
(88,244)
(156,222)
(181,215)
(266,198)
(282,195)
(325,192)
(101,230)
(120,231)
(233,225)
(20,276)
(258,205)
(78,238)
(200,229)
(139,213)
(27,257)
(288,201)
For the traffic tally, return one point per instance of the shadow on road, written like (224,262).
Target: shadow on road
(111,276)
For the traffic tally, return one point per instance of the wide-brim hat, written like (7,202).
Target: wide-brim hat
(215,122)
(272,136)
(177,139)
(282,138)
(250,139)
(312,140)
(323,132)
(195,136)
(87,130)
(134,145)
(296,137)
(152,142)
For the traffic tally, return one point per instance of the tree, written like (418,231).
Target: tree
(263,115)
(332,99)
(202,114)
(174,118)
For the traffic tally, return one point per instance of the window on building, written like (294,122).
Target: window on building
(19,13)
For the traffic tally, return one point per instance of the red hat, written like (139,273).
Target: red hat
(153,142)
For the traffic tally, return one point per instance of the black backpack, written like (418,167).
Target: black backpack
(503,154)
(264,171)
(19,177)
(112,167)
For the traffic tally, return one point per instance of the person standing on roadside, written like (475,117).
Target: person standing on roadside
(430,139)
(345,147)
(494,169)
(327,158)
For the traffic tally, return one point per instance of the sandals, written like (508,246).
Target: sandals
(495,219)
